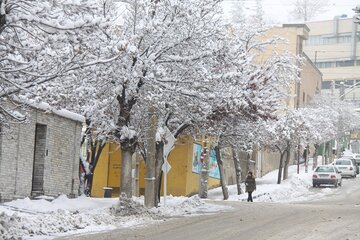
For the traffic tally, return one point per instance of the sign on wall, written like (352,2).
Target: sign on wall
(197,162)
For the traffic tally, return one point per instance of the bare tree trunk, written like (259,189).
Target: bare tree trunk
(159,156)
(237,170)
(126,168)
(287,161)
(280,165)
(248,162)
(151,160)
(204,174)
(96,148)
(222,173)
(327,153)
(331,155)
(315,156)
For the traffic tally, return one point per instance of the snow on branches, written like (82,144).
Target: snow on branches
(39,40)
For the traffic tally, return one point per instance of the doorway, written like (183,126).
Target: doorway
(39,160)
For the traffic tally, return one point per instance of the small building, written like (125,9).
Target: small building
(41,156)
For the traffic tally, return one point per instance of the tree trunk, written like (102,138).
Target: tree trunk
(287,161)
(307,158)
(327,152)
(248,162)
(204,174)
(159,160)
(151,160)
(315,156)
(237,170)
(280,166)
(96,148)
(222,173)
(126,169)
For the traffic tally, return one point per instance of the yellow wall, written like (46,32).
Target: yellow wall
(100,178)
(181,181)
(107,172)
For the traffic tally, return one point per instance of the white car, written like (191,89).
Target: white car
(346,167)
(326,174)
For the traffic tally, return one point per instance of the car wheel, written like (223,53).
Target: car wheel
(336,184)
(314,185)
(340,183)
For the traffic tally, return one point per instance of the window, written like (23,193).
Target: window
(346,63)
(326,64)
(333,64)
(329,39)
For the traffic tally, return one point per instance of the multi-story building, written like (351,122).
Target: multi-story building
(301,92)
(334,47)
(310,77)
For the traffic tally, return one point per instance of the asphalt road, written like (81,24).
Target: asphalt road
(335,218)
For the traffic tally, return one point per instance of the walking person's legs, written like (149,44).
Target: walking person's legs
(250,196)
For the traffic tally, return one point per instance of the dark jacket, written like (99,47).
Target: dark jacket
(250,184)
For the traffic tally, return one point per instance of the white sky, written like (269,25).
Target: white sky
(278,11)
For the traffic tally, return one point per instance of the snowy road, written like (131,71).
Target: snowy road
(333,218)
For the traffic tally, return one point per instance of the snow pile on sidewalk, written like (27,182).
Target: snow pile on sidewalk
(33,219)
(297,188)
(42,219)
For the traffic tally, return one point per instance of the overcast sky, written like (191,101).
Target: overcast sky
(278,11)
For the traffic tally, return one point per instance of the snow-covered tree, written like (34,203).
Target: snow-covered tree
(290,128)
(237,11)
(39,42)
(257,90)
(307,9)
(161,56)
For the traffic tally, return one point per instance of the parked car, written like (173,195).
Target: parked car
(346,167)
(326,174)
(352,158)
(357,159)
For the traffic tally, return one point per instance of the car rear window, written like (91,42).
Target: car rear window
(342,162)
(325,169)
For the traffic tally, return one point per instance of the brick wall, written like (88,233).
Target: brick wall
(61,158)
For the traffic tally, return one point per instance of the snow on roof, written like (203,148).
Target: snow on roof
(60,112)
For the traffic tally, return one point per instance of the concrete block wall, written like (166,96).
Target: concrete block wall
(61,159)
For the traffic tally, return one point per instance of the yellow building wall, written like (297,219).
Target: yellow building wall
(114,167)
(107,172)
(100,177)
(181,181)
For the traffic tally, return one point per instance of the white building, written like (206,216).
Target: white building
(334,46)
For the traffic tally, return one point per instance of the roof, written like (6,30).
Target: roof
(60,112)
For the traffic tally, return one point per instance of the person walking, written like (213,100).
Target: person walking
(250,185)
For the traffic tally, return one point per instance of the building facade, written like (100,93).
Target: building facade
(300,93)
(334,46)
(294,37)
(41,156)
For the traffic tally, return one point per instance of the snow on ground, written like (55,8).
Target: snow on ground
(297,188)
(46,219)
